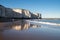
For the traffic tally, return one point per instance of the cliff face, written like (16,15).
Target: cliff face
(2,10)
(25,13)
(16,13)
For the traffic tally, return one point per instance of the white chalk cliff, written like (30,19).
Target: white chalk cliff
(17,13)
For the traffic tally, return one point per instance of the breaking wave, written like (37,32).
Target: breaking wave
(49,23)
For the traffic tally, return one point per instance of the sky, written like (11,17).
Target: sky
(48,8)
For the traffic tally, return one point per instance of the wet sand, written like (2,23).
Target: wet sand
(23,30)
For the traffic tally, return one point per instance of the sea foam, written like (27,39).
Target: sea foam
(49,23)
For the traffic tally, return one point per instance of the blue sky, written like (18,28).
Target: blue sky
(48,8)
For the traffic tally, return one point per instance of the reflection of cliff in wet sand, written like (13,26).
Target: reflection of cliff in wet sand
(23,25)
(17,25)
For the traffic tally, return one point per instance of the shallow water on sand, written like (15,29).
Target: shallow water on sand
(25,30)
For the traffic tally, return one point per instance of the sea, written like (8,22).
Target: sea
(30,29)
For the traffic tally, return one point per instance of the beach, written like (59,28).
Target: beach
(29,30)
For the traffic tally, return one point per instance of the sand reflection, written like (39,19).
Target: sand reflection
(17,25)
(23,25)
